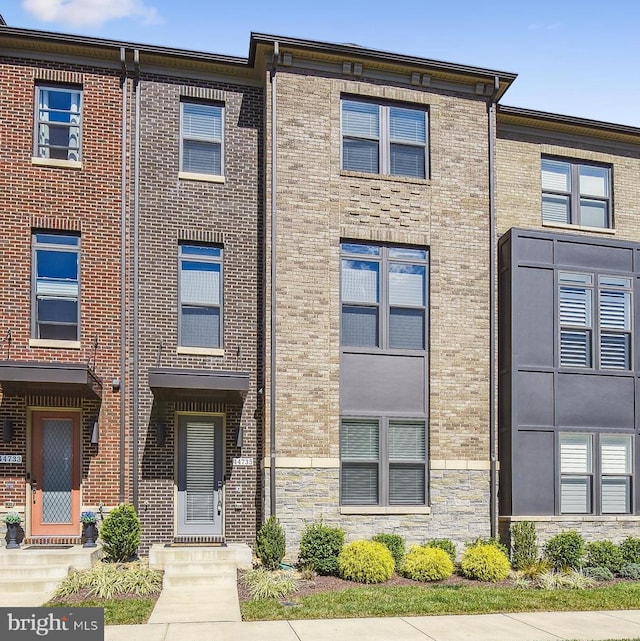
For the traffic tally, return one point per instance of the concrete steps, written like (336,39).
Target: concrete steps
(236,553)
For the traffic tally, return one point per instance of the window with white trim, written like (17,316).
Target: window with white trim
(599,484)
(200,293)
(201,138)
(594,309)
(58,122)
(383,461)
(56,284)
(384,139)
(576,193)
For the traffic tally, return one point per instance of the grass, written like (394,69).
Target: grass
(417,600)
(128,610)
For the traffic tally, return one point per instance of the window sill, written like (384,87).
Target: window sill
(55,162)
(581,518)
(45,342)
(591,230)
(207,178)
(388,178)
(200,351)
(385,509)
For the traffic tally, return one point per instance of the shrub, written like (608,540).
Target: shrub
(319,548)
(395,545)
(443,544)
(485,562)
(630,571)
(264,584)
(565,550)
(366,562)
(572,580)
(270,543)
(604,554)
(524,544)
(598,573)
(630,549)
(120,533)
(496,543)
(536,569)
(426,563)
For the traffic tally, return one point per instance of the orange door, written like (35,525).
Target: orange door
(55,474)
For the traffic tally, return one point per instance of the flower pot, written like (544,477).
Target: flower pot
(90,534)
(13,531)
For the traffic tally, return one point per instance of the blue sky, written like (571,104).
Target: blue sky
(575,58)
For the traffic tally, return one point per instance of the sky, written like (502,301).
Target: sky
(573,58)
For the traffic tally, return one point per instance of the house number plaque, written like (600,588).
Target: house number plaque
(243,460)
(10,458)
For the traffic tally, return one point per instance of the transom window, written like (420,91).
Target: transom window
(201,149)
(58,123)
(56,277)
(200,320)
(383,461)
(384,139)
(595,309)
(384,292)
(599,484)
(576,193)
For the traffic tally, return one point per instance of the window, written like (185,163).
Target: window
(201,150)
(594,307)
(200,320)
(601,484)
(56,309)
(576,193)
(383,461)
(384,139)
(383,293)
(58,123)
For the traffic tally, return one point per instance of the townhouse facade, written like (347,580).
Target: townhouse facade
(321,282)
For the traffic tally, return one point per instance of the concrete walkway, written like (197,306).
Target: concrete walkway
(530,626)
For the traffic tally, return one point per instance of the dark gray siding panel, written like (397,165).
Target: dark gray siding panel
(595,401)
(535,398)
(533,478)
(382,383)
(535,250)
(590,256)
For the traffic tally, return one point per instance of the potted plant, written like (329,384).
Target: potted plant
(13,520)
(89,528)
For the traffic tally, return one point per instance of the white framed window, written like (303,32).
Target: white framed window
(596,484)
(58,122)
(201,138)
(56,286)
(383,461)
(384,139)
(200,294)
(576,193)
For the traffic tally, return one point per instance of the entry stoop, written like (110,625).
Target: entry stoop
(237,553)
(29,575)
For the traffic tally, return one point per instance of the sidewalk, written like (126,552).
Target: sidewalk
(529,626)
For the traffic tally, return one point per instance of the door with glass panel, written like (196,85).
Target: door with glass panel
(200,475)
(55,474)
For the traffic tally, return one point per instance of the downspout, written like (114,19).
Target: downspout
(272,346)
(123,279)
(493,474)
(136,258)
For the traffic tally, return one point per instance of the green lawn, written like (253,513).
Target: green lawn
(116,611)
(418,600)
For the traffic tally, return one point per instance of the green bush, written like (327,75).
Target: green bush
(443,544)
(366,562)
(270,544)
(319,548)
(426,563)
(120,533)
(264,584)
(565,550)
(395,545)
(485,562)
(630,571)
(630,549)
(598,573)
(524,544)
(604,554)
(490,540)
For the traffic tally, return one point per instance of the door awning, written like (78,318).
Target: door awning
(202,383)
(18,378)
